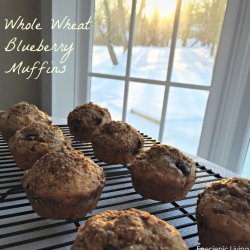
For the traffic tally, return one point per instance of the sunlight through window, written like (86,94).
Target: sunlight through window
(163,66)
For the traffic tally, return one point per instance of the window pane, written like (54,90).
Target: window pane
(108,93)
(153,32)
(198,38)
(144,107)
(185,114)
(246,167)
(111,27)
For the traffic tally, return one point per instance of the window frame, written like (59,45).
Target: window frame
(216,115)
(226,132)
(167,83)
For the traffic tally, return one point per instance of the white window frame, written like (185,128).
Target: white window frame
(219,127)
(226,132)
(167,83)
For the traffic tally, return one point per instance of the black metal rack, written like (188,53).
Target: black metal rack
(22,228)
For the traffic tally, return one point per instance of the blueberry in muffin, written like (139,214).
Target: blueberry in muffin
(19,116)
(35,140)
(162,173)
(116,142)
(84,119)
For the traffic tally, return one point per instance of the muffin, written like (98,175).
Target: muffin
(128,229)
(37,139)
(19,116)
(84,119)
(223,214)
(162,173)
(116,142)
(63,185)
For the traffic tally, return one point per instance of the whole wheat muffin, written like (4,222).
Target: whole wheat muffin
(116,142)
(84,119)
(37,139)
(64,185)
(162,173)
(128,229)
(223,214)
(19,116)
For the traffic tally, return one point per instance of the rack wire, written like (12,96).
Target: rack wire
(22,228)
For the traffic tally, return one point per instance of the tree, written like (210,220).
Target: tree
(217,10)
(208,18)
(201,21)
(185,31)
(107,34)
(139,21)
(154,28)
(122,19)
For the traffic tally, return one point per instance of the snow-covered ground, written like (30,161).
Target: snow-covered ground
(186,107)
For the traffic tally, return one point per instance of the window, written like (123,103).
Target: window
(204,102)
(152,64)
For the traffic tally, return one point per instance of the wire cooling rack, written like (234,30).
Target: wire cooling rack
(21,228)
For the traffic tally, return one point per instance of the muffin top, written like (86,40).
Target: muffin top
(22,114)
(163,163)
(88,116)
(225,205)
(119,135)
(64,175)
(128,229)
(37,136)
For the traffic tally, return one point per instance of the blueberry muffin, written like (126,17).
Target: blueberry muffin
(223,214)
(84,119)
(19,116)
(116,142)
(63,185)
(128,229)
(162,173)
(37,139)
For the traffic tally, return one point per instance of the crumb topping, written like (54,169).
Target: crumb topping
(23,113)
(88,116)
(36,133)
(67,173)
(40,138)
(128,229)
(163,162)
(119,135)
(226,205)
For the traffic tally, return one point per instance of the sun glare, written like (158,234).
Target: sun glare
(165,7)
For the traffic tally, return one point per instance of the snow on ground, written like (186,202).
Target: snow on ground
(186,108)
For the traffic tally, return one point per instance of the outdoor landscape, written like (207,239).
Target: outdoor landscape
(197,41)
